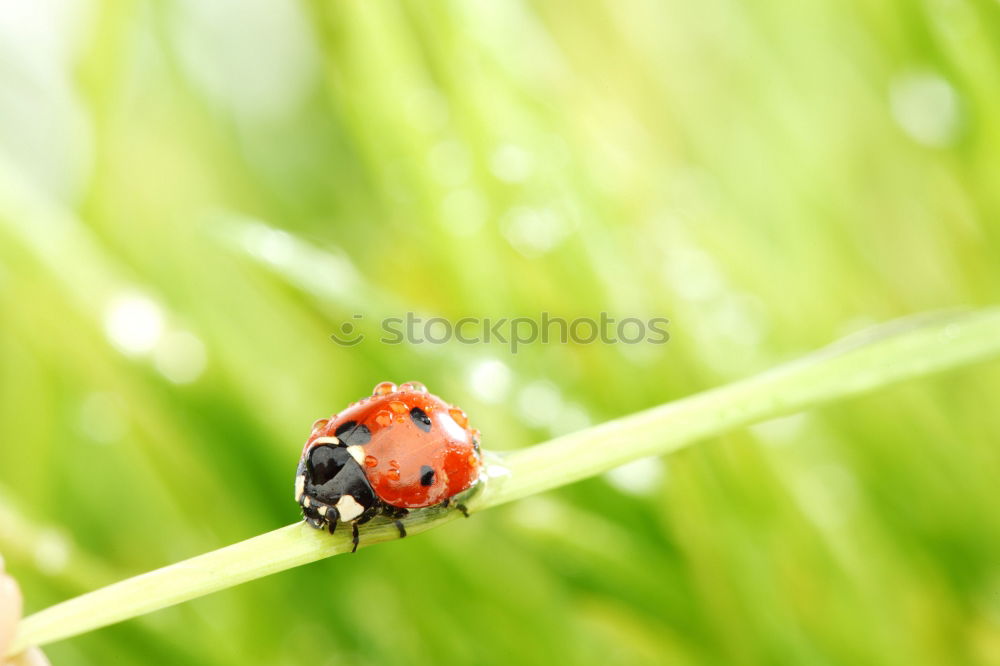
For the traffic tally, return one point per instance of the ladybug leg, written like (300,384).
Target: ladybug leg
(365,516)
(311,514)
(458,505)
(399,526)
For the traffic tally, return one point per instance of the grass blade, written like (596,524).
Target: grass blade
(875,358)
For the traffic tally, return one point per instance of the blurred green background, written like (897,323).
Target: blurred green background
(195,195)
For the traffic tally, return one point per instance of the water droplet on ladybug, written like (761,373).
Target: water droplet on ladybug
(416,387)
(393,474)
(383,418)
(319,424)
(371,461)
(398,407)
(459,416)
(384,388)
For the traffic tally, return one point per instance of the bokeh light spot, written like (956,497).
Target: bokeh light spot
(133,323)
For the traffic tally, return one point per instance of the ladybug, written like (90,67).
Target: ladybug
(399,449)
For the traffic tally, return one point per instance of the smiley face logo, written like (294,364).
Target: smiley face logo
(348,335)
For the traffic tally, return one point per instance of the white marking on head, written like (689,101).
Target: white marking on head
(348,508)
(300,486)
(357,453)
(326,440)
(322,510)
(305,500)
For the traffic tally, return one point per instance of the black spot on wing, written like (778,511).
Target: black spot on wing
(426,475)
(420,419)
(352,433)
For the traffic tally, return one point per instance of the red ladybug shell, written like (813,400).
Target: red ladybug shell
(411,461)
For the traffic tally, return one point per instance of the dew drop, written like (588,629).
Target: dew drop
(371,461)
(398,407)
(383,418)
(384,388)
(393,474)
(459,416)
(416,387)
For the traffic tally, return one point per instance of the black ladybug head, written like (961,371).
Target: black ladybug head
(331,486)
